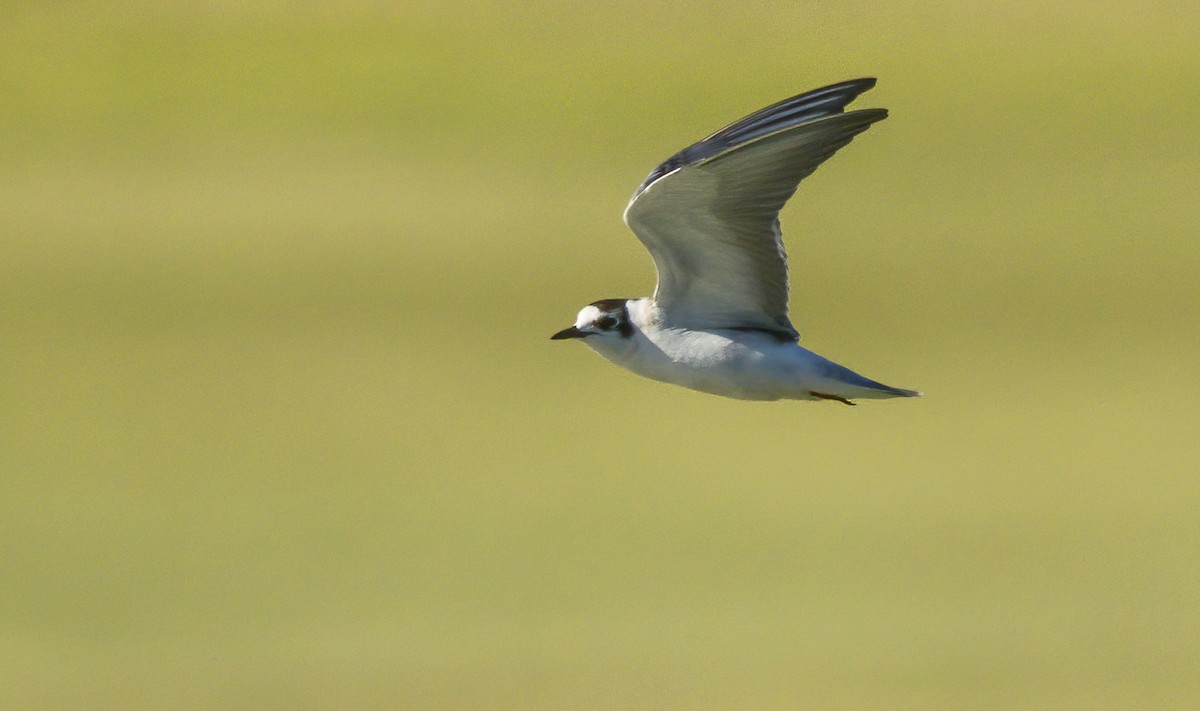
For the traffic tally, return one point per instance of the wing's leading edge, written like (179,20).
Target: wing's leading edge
(709,215)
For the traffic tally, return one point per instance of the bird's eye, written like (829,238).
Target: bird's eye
(605,323)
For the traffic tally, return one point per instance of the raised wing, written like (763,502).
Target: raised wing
(709,215)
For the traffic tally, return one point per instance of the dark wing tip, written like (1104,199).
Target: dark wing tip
(866,83)
(818,103)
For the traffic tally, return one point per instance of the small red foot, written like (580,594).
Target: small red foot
(826,396)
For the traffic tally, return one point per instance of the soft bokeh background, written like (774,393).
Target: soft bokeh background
(281,426)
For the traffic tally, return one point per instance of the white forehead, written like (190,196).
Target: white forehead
(588,314)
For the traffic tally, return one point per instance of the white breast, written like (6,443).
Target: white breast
(737,364)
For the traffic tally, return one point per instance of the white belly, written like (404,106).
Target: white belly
(746,366)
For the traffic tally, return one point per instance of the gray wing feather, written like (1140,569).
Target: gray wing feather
(710,214)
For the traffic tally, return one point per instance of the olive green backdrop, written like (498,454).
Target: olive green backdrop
(282,426)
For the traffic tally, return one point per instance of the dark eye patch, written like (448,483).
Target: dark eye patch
(606,322)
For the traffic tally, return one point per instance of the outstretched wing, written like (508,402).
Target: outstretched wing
(709,215)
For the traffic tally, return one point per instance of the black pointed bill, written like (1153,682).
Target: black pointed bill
(571,332)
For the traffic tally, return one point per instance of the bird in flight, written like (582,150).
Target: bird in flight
(709,216)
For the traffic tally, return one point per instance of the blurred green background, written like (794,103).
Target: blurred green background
(282,427)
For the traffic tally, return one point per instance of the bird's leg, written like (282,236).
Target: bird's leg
(827,396)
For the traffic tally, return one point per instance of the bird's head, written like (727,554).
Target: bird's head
(602,319)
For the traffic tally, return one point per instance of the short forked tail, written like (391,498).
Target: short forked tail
(845,384)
